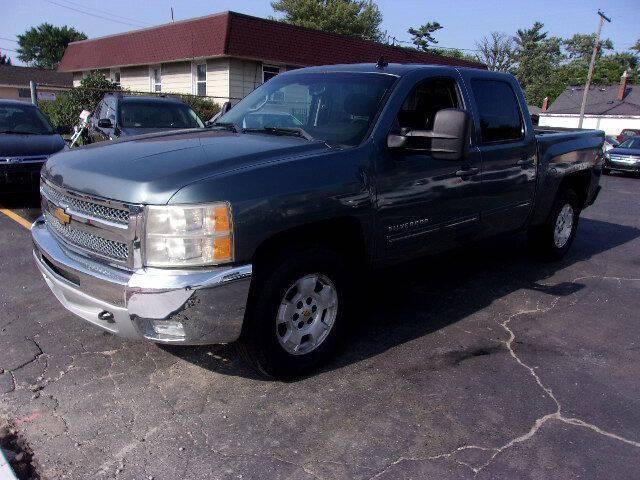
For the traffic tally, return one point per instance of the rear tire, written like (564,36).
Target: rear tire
(553,238)
(606,171)
(297,313)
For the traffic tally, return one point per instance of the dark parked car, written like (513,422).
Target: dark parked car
(625,157)
(118,115)
(27,139)
(628,133)
(258,232)
(610,142)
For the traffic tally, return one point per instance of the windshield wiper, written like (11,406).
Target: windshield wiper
(227,125)
(296,131)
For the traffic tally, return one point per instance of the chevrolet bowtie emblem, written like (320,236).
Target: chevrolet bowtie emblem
(63,216)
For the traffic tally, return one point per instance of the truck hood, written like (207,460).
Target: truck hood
(149,169)
(12,145)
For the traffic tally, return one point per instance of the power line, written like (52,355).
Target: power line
(93,14)
(106,12)
(8,49)
(8,39)
(435,46)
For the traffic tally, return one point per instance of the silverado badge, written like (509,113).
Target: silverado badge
(63,216)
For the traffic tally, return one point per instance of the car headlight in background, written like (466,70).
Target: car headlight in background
(188,235)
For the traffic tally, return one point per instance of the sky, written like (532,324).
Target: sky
(464,21)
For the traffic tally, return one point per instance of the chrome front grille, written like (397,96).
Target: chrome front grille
(88,241)
(102,229)
(85,207)
(624,158)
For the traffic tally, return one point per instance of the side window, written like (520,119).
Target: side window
(500,117)
(99,110)
(427,98)
(110,105)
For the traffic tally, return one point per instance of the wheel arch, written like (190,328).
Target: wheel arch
(345,235)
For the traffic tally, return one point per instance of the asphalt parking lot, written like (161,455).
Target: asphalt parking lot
(482,364)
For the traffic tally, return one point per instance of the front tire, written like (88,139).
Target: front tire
(296,316)
(553,239)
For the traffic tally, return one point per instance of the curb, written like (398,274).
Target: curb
(6,473)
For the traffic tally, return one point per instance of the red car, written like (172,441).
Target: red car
(627,133)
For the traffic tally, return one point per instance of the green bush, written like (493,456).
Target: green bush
(65,109)
(204,107)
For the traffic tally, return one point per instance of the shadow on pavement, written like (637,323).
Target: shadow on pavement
(403,303)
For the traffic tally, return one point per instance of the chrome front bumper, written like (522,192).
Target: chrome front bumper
(188,307)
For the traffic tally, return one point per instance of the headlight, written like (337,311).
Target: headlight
(181,236)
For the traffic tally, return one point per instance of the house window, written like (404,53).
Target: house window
(200,79)
(269,71)
(114,75)
(155,75)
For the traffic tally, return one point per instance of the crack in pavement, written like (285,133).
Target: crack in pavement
(539,422)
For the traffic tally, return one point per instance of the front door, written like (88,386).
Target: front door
(423,204)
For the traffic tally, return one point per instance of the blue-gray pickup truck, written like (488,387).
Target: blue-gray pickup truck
(256,229)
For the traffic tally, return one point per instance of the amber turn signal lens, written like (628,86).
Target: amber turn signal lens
(221,219)
(222,248)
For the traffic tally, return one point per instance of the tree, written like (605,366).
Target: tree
(453,53)
(423,37)
(581,46)
(536,56)
(496,51)
(4,59)
(360,19)
(636,46)
(44,45)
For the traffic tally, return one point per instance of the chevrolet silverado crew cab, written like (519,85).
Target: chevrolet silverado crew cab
(256,229)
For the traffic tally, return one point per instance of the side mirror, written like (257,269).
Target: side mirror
(64,130)
(449,139)
(451,134)
(105,123)
(226,106)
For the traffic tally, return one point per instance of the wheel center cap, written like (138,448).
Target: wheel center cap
(306,313)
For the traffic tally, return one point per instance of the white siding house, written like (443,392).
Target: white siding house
(611,108)
(223,56)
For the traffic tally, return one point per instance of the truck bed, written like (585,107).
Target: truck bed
(562,151)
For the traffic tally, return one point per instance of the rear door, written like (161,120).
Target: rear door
(425,204)
(508,149)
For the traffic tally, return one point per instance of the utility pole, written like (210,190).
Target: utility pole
(34,92)
(596,47)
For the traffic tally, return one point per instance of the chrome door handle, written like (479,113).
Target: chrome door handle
(467,172)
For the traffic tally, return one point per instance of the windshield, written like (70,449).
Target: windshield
(630,143)
(337,108)
(157,115)
(23,120)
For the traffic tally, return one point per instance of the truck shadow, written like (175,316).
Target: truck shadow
(406,302)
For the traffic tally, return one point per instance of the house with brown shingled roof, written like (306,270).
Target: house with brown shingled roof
(14,82)
(225,55)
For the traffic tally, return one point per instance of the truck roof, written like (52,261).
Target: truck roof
(123,97)
(398,69)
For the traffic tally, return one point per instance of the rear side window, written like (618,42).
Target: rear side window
(500,118)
